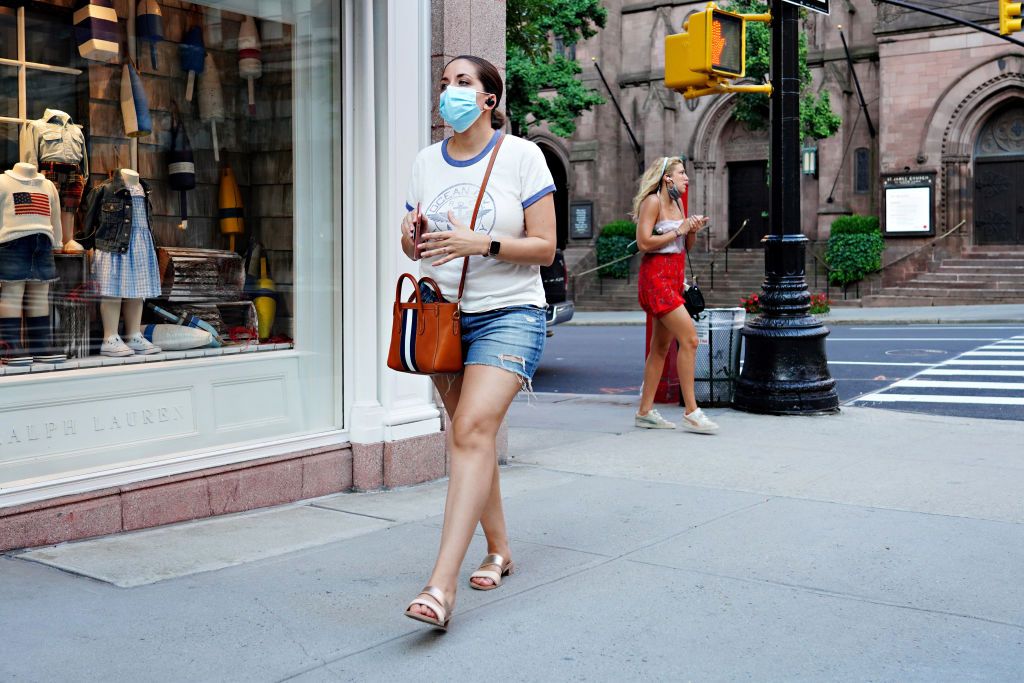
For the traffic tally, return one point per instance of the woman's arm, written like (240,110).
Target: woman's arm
(536,249)
(645,239)
(408,223)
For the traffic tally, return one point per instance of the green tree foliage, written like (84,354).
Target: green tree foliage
(531,68)
(817,120)
(612,244)
(854,248)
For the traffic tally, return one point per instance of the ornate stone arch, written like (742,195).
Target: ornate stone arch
(953,127)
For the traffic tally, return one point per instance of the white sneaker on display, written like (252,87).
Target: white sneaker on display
(698,422)
(115,348)
(141,346)
(653,420)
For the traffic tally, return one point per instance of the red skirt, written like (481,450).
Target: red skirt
(662,278)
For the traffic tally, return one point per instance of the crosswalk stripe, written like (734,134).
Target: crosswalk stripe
(931,398)
(966,372)
(955,361)
(953,384)
(1005,354)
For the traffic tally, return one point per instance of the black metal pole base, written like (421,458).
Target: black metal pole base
(785,368)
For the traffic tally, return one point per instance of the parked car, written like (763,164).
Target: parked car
(556,291)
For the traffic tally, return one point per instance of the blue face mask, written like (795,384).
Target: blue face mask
(459,108)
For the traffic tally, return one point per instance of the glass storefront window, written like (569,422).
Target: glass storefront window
(181,243)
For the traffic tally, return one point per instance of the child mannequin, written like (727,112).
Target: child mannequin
(126,278)
(30,231)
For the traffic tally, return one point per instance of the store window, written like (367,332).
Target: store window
(147,185)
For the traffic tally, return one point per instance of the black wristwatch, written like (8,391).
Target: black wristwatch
(494,248)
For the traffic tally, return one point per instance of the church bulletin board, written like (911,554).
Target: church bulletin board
(909,204)
(581,223)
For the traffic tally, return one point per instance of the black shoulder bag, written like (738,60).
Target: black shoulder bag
(693,298)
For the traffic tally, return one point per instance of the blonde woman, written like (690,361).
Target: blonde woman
(664,234)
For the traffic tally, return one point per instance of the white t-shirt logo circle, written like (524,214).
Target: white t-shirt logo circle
(460,199)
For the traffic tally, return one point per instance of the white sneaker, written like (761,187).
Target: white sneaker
(698,422)
(113,346)
(142,346)
(653,420)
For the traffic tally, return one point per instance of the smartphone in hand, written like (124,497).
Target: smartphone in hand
(419,227)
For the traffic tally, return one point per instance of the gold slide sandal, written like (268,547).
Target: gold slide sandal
(504,568)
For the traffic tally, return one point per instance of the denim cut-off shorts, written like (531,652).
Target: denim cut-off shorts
(28,258)
(509,338)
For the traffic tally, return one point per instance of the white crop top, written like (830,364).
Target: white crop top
(677,246)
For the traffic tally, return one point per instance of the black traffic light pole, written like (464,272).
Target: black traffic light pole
(785,370)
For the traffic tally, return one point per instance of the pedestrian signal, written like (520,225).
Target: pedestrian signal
(1009,17)
(711,50)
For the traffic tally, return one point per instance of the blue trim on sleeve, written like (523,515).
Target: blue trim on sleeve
(468,162)
(409,208)
(540,195)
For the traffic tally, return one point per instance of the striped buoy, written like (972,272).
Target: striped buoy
(96,30)
(211,100)
(250,64)
(265,300)
(149,26)
(230,211)
(181,167)
(134,106)
(192,53)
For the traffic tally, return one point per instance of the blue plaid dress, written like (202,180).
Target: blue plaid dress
(134,274)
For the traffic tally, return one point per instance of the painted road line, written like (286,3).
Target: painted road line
(985,373)
(913,339)
(952,384)
(879,328)
(1006,354)
(868,362)
(956,361)
(929,398)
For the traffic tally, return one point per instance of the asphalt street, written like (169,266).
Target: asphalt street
(916,368)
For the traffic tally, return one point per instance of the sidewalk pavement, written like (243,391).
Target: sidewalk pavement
(868,545)
(840,315)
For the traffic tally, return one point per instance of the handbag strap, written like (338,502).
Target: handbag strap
(476,209)
(679,202)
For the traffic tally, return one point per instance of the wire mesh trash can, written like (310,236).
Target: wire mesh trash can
(718,355)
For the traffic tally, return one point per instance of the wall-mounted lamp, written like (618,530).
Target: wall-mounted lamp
(809,160)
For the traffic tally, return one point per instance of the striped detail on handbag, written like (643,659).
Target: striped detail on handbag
(409,321)
(96,30)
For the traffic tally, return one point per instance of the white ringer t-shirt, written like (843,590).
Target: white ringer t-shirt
(441,184)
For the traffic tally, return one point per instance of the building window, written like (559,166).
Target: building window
(563,50)
(862,170)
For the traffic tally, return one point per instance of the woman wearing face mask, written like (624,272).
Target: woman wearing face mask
(664,234)
(503,306)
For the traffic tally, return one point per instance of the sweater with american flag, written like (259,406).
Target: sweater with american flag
(28,206)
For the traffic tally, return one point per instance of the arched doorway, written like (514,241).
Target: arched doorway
(561,177)
(999,179)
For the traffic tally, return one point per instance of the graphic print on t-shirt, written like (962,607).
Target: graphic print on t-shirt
(460,199)
(31,203)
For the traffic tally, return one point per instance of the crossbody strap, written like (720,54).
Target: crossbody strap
(476,208)
(686,254)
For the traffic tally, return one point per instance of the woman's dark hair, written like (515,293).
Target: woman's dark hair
(491,80)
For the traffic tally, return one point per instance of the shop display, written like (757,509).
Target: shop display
(250,64)
(29,231)
(56,146)
(139,265)
(149,26)
(96,30)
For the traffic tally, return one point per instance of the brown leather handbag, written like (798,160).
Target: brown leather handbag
(426,338)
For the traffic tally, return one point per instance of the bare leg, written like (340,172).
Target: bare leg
(67,225)
(661,341)
(680,325)
(37,299)
(132,316)
(488,392)
(110,312)
(11,296)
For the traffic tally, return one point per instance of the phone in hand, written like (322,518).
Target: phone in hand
(419,228)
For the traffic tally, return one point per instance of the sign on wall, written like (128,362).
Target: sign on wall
(581,220)
(909,204)
(816,5)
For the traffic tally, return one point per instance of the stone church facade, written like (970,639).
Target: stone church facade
(944,101)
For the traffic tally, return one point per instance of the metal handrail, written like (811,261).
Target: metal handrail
(932,243)
(725,248)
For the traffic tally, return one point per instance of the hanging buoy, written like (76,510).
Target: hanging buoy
(212,32)
(149,26)
(192,54)
(134,105)
(250,64)
(265,299)
(96,30)
(181,167)
(211,100)
(230,211)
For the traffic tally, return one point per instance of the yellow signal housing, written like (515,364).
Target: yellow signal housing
(710,52)
(1009,17)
